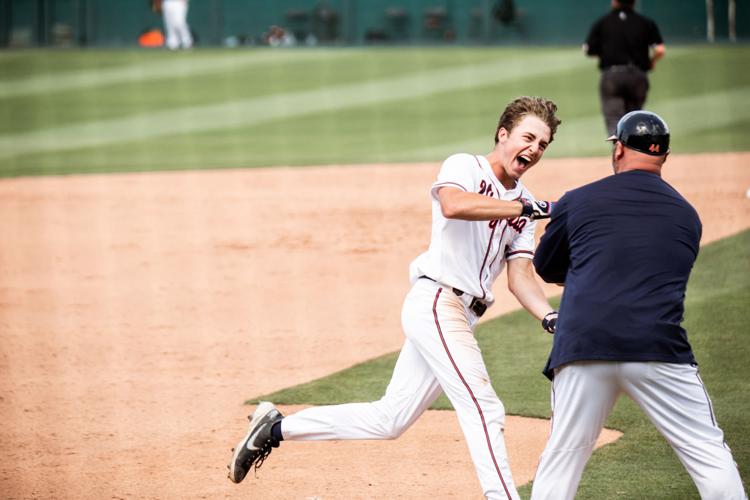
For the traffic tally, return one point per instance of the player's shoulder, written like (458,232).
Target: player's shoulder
(463,163)
(608,19)
(594,186)
(462,170)
(585,192)
(461,159)
(674,193)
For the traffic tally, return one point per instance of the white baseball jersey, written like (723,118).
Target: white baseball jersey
(470,255)
(440,353)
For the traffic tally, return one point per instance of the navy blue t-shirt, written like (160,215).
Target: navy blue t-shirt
(624,246)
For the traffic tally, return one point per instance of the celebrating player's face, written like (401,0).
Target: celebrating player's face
(524,146)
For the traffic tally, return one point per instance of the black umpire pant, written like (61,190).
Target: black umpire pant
(622,89)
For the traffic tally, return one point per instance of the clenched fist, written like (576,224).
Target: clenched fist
(536,209)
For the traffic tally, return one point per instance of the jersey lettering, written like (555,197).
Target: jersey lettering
(518,223)
(474,242)
(486,189)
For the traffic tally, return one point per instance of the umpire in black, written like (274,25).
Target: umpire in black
(627,45)
(624,247)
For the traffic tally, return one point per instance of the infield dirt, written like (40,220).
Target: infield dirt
(139,311)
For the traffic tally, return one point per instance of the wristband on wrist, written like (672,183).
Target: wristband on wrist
(549,322)
(527,210)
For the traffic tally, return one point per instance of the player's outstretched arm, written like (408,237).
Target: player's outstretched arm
(523,284)
(458,204)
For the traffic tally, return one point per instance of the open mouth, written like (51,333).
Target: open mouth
(524,160)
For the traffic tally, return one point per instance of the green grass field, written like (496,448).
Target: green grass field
(640,464)
(103,111)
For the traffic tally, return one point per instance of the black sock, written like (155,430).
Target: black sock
(276,431)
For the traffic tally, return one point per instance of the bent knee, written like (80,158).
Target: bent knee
(395,432)
(391,424)
(390,429)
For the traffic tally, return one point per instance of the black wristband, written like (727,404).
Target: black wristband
(550,324)
(527,210)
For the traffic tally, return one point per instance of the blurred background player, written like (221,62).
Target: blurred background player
(628,46)
(174,13)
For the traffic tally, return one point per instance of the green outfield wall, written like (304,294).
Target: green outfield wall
(108,23)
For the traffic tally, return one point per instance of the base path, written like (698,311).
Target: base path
(138,312)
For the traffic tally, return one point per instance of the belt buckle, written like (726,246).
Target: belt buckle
(478,307)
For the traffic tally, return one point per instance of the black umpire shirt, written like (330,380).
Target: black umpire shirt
(623,37)
(624,246)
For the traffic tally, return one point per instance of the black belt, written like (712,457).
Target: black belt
(622,67)
(477,306)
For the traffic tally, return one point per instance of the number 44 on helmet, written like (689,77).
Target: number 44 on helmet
(643,131)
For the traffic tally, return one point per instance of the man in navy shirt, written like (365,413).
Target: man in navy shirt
(624,247)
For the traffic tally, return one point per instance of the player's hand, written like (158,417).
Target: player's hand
(549,322)
(536,209)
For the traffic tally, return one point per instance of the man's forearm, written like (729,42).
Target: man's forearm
(457,204)
(529,294)
(472,206)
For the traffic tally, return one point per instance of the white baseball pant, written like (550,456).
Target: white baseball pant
(440,353)
(175,24)
(674,399)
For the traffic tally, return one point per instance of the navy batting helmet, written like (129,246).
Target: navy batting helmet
(644,132)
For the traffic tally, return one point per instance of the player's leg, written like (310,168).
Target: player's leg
(612,101)
(677,403)
(183,30)
(412,389)
(636,90)
(171,16)
(451,350)
(410,392)
(582,395)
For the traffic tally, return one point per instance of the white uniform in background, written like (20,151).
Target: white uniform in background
(440,353)
(175,24)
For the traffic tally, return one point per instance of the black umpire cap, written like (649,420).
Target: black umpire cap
(644,132)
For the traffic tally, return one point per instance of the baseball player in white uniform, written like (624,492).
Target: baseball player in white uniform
(175,24)
(483,221)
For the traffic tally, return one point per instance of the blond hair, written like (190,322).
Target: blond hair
(516,110)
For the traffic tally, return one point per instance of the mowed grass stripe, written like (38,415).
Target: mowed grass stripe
(425,127)
(283,71)
(138,70)
(579,136)
(255,111)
